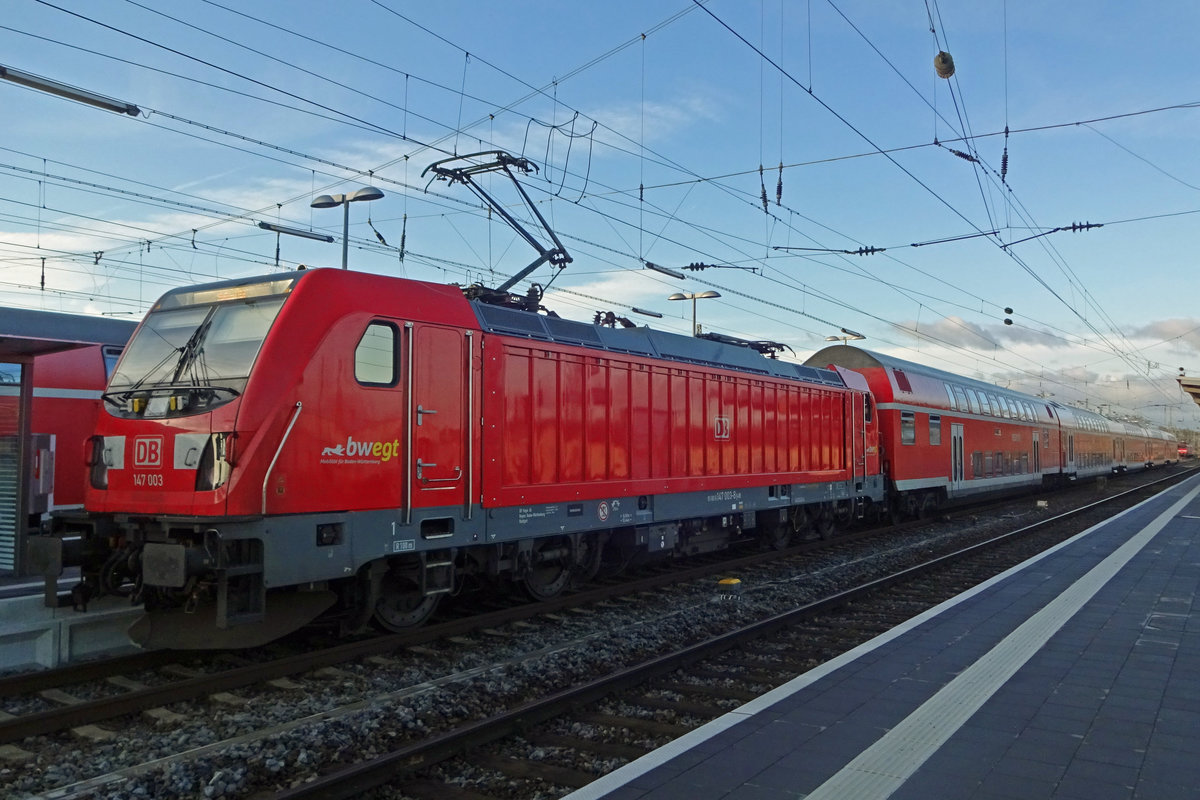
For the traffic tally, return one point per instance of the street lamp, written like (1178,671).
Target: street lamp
(335,200)
(694,297)
(847,336)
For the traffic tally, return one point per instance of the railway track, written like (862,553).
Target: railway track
(431,667)
(104,689)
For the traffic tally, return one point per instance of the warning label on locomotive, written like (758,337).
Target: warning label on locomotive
(360,452)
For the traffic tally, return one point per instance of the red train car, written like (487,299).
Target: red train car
(64,361)
(947,438)
(66,398)
(365,445)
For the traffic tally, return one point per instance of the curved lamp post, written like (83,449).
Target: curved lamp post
(694,297)
(847,336)
(335,200)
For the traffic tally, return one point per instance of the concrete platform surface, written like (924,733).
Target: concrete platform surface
(1074,675)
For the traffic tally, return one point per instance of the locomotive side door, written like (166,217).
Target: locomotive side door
(437,472)
(957,465)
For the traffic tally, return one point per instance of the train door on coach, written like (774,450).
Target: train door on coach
(858,438)
(438,409)
(1037,454)
(957,465)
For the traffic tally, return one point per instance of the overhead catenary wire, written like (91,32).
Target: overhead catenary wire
(631,250)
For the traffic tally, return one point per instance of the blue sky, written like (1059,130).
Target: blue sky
(648,122)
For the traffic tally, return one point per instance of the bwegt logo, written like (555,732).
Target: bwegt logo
(353,449)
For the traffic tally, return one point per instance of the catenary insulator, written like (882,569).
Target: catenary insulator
(943,63)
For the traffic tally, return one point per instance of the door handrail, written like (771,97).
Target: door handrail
(271,467)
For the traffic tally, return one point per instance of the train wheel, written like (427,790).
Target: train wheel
(588,558)
(401,605)
(825,523)
(776,535)
(928,506)
(550,571)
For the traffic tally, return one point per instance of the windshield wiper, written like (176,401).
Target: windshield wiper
(192,351)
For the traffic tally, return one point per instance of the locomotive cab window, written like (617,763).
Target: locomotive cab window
(375,355)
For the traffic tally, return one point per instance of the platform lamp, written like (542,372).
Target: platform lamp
(693,296)
(335,200)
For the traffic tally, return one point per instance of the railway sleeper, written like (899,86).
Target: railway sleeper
(533,770)
(629,752)
(651,726)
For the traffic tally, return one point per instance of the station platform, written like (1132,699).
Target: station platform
(1074,675)
(33,636)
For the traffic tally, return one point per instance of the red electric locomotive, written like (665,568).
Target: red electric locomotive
(333,442)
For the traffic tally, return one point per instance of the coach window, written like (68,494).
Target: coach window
(111,353)
(962,398)
(935,429)
(375,356)
(974,400)
(950,394)
(908,427)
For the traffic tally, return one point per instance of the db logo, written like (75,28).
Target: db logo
(721,427)
(147,451)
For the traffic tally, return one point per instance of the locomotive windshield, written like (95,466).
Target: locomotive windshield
(190,356)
